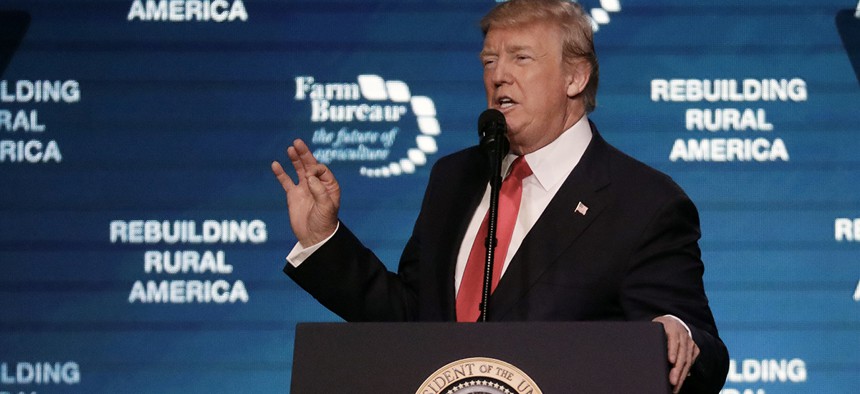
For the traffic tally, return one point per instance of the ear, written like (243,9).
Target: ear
(579,73)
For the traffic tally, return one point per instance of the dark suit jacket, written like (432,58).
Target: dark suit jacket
(634,255)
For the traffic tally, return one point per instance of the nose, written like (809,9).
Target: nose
(500,74)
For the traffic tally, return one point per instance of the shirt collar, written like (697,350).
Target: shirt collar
(551,164)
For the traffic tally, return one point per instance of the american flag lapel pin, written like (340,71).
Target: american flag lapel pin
(581,208)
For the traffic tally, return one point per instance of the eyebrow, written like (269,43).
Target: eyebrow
(512,49)
(486,52)
(517,48)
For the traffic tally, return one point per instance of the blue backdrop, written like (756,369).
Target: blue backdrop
(142,234)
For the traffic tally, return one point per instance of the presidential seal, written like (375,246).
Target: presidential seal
(479,375)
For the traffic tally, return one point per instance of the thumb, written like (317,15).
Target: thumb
(320,194)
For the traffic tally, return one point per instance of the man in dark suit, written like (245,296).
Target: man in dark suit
(597,236)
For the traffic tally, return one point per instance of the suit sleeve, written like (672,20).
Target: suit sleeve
(665,277)
(348,279)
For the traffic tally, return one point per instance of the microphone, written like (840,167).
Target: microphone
(492,129)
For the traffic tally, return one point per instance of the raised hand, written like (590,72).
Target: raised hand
(314,201)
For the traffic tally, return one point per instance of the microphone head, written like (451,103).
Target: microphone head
(492,130)
(492,123)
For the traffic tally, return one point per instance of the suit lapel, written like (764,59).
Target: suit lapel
(557,228)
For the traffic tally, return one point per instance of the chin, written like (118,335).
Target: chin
(514,128)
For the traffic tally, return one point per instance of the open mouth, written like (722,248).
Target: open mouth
(505,103)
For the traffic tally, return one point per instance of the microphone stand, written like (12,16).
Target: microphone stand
(496,146)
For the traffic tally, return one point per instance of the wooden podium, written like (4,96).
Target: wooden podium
(443,358)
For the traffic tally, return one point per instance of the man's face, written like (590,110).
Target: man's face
(526,79)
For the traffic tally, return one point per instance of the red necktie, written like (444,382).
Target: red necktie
(510,195)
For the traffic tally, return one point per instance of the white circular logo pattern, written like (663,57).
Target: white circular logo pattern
(373,87)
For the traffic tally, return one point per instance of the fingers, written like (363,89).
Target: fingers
(690,357)
(307,167)
(301,157)
(306,164)
(676,358)
(283,178)
(674,344)
(322,172)
(682,350)
(682,362)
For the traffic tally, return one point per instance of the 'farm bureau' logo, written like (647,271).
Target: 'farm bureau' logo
(372,122)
